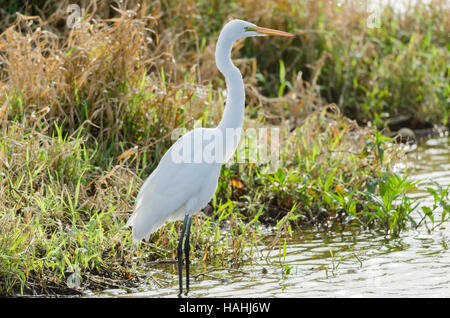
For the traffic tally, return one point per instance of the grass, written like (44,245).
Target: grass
(86,114)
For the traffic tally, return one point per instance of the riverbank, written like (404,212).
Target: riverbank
(87,112)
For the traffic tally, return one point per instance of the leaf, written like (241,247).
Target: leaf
(281,89)
(18,241)
(364,152)
(428,212)
(339,190)
(126,154)
(282,72)
(380,154)
(329,181)
(280,175)
(236,183)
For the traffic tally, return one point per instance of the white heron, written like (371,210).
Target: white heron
(183,184)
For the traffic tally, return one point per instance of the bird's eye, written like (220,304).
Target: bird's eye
(248,29)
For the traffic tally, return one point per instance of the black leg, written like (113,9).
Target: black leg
(187,248)
(180,255)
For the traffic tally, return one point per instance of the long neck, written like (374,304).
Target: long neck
(233,115)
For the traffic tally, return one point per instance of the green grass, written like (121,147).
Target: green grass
(76,144)
(61,211)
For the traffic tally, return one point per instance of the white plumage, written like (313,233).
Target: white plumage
(186,178)
(174,190)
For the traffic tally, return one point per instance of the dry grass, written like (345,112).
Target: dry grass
(87,112)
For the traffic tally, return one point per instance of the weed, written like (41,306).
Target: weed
(86,113)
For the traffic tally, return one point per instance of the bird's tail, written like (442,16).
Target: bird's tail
(145,220)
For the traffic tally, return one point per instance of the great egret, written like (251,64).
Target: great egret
(183,184)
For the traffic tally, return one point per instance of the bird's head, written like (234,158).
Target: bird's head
(233,31)
(238,29)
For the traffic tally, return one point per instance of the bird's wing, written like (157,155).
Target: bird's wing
(165,193)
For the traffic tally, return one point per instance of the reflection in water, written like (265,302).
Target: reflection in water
(343,264)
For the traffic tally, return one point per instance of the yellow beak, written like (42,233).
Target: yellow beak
(272,32)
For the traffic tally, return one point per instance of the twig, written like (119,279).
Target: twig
(207,273)
(163,261)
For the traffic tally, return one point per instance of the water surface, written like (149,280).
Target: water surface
(337,264)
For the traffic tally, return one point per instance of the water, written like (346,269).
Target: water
(338,264)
